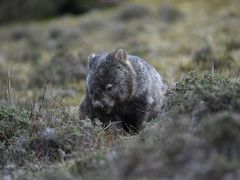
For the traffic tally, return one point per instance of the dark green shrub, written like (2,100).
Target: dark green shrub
(222,131)
(176,153)
(206,93)
(13,120)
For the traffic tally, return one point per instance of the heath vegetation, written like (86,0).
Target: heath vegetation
(195,45)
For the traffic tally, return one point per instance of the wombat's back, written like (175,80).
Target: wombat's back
(147,77)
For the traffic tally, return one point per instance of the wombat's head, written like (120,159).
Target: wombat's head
(110,80)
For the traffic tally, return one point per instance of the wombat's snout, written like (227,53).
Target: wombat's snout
(101,107)
(98,105)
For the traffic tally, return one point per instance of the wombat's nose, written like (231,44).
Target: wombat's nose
(98,105)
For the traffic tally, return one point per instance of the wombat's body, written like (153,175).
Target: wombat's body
(122,88)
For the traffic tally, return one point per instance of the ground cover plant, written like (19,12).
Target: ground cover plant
(43,65)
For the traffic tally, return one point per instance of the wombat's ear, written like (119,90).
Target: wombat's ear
(120,55)
(90,60)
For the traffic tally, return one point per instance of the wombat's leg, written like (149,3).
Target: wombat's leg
(133,124)
(85,109)
(141,120)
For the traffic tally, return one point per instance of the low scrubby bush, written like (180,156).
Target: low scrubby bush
(204,93)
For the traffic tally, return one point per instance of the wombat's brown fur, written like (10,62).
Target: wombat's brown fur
(122,88)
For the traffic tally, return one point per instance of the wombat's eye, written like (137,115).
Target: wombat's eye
(109,87)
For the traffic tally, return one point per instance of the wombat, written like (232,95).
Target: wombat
(122,88)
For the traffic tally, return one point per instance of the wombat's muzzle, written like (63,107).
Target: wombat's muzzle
(100,107)
(97,105)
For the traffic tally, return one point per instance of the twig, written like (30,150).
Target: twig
(10,90)
(42,100)
(109,125)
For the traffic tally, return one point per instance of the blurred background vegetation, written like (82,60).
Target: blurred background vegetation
(44,45)
(49,41)
(18,10)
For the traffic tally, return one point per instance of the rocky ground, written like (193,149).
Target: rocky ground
(195,45)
